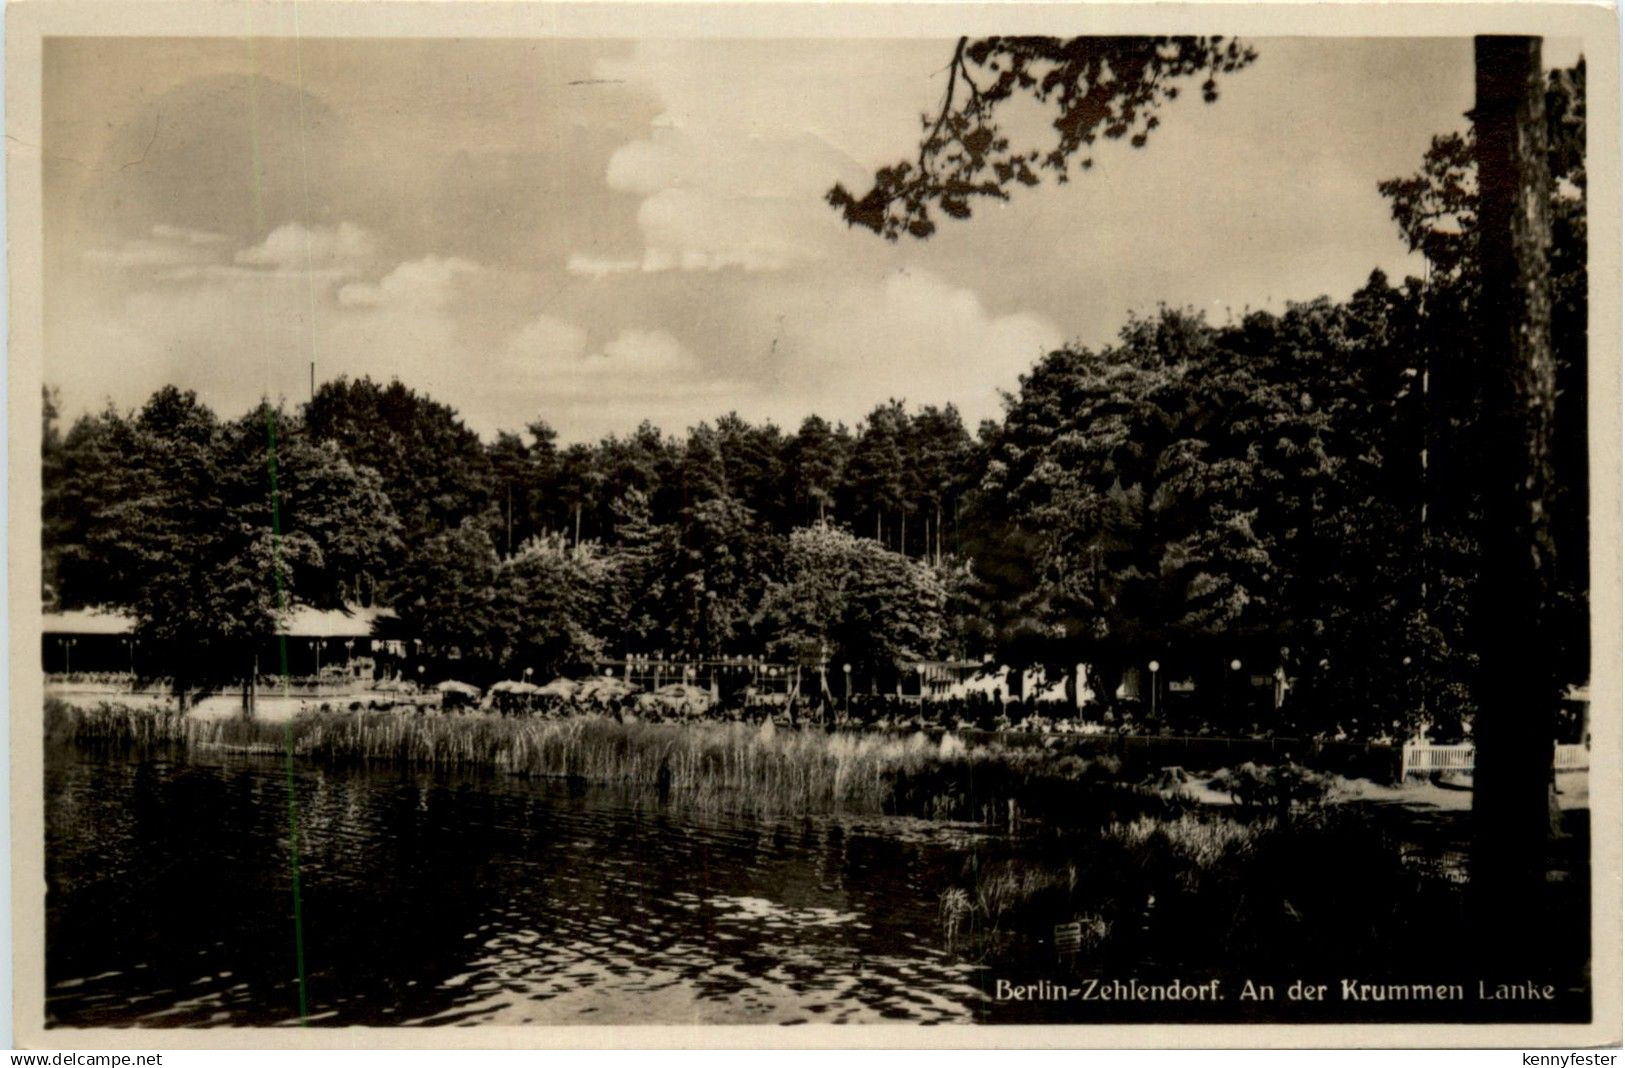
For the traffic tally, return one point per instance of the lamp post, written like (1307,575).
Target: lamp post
(846,669)
(1233,688)
(1410,695)
(67,654)
(1154,666)
(349,652)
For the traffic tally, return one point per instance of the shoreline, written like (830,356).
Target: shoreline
(733,764)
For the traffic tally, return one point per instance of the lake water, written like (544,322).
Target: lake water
(444,899)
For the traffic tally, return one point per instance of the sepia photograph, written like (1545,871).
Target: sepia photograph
(696,523)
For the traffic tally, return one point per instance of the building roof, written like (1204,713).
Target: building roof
(88,621)
(302,622)
(307,622)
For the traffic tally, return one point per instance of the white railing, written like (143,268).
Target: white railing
(1571,758)
(1426,759)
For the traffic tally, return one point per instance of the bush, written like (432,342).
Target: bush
(1317,892)
(1275,786)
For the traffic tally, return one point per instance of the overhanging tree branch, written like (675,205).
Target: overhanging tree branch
(1107,87)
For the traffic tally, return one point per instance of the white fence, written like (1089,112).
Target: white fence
(1428,759)
(1572,758)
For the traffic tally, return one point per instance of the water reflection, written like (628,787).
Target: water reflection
(458,900)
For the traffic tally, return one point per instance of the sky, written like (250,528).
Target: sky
(594,233)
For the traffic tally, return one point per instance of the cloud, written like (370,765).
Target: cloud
(181,254)
(913,336)
(742,186)
(692,229)
(553,354)
(296,247)
(232,337)
(140,253)
(429,282)
(239,325)
(678,242)
(165,247)
(545,341)
(710,202)
(588,390)
(788,348)
(188,236)
(601,267)
(640,352)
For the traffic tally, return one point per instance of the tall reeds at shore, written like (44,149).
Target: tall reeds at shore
(1314,892)
(727,765)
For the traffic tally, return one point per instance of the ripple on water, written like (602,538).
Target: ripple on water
(523,905)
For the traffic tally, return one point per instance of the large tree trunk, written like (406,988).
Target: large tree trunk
(1517,690)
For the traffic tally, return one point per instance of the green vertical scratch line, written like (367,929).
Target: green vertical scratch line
(293,865)
(287,730)
(276,552)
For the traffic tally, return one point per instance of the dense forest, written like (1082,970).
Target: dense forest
(1289,489)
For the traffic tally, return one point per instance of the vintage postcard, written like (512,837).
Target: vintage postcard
(632,524)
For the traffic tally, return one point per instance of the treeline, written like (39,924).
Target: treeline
(898,477)
(1292,491)
(706,545)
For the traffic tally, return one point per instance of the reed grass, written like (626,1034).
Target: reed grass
(729,765)
(1318,890)
(1196,841)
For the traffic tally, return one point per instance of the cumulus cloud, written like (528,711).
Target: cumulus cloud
(740,289)
(296,247)
(429,282)
(551,368)
(164,247)
(689,265)
(913,336)
(546,341)
(640,352)
(742,186)
(715,202)
(554,353)
(692,229)
(173,254)
(233,337)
